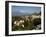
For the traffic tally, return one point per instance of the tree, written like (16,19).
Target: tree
(37,21)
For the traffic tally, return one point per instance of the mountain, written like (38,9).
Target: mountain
(18,13)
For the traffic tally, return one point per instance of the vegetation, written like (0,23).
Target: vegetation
(28,23)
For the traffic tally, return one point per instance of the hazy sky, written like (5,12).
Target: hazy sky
(25,9)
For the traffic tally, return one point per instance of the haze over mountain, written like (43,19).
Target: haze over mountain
(24,10)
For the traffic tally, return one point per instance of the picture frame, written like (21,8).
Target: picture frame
(18,5)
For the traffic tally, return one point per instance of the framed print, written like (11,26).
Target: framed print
(24,18)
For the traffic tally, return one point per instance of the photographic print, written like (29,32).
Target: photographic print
(24,18)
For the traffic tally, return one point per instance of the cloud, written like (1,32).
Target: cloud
(22,11)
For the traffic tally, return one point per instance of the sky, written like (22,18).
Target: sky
(18,10)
